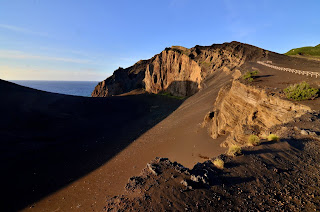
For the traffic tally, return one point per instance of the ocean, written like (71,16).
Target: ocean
(75,88)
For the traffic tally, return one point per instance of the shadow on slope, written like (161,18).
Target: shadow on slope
(50,140)
(183,88)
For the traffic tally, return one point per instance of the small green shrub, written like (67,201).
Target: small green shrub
(234,150)
(218,163)
(273,137)
(301,91)
(253,140)
(167,94)
(250,75)
(250,79)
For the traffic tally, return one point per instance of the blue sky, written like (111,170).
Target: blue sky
(88,40)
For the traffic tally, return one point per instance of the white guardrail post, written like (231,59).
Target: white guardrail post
(307,73)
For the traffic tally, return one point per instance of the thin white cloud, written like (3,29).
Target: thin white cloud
(30,73)
(11,54)
(21,30)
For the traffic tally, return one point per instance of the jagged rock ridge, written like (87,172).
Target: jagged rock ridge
(178,70)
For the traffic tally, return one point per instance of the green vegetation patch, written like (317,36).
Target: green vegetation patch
(250,75)
(163,93)
(308,50)
(301,91)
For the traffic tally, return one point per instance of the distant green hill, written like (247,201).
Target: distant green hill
(305,51)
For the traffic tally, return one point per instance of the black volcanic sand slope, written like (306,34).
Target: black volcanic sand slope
(275,176)
(50,140)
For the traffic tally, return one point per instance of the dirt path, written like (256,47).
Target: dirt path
(290,70)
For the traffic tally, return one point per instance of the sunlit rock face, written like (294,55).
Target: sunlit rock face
(241,110)
(178,70)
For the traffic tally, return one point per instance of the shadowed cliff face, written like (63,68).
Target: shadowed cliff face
(122,81)
(178,64)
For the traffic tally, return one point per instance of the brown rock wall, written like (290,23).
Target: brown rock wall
(241,110)
(173,72)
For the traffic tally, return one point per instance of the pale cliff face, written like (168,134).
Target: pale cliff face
(178,70)
(173,72)
(242,110)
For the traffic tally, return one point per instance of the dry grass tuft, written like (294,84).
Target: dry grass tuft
(234,150)
(273,137)
(253,140)
(218,163)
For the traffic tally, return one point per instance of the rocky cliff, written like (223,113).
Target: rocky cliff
(178,70)
(242,110)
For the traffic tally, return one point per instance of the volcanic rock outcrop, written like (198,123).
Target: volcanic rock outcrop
(242,110)
(178,70)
